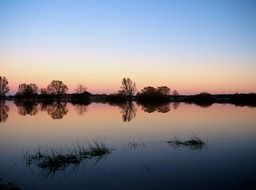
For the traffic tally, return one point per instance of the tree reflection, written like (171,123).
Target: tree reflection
(175,105)
(80,108)
(26,107)
(4,109)
(128,110)
(156,107)
(56,110)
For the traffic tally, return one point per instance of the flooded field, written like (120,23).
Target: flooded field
(148,147)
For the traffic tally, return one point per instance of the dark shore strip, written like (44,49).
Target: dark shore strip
(202,99)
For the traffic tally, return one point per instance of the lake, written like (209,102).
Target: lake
(140,156)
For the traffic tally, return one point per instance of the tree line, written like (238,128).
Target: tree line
(58,88)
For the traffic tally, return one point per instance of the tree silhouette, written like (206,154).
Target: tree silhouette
(4,88)
(175,93)
(204,99)
(4,109)
(148,91)
(43,91)
(150,94)
(57,88)
(163,90)
(27,89)
(128,87)
(80,89)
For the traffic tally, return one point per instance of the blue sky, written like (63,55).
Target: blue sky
(206,34)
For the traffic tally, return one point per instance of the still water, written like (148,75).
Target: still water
(141,157)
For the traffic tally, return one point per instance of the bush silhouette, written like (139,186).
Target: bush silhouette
(150,94)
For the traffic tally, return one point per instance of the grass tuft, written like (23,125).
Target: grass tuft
(194,142)
(53,160)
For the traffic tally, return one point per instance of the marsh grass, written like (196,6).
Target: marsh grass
(193,143)
(53,160)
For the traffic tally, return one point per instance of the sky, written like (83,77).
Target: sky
(188,45)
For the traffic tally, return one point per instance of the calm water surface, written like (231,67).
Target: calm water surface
(227,161)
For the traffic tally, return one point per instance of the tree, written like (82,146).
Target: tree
(80,89)
(27,89)
(163,90)
(128,87)
(148,91)
(57,88)
(150,94)
(175,93)
(43,91)
(4,88)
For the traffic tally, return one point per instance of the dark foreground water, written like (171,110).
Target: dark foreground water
(141,157)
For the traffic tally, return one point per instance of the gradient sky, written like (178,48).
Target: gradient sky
(188,45)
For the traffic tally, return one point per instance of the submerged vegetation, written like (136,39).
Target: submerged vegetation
(135,145)
(193,143)
(53,160)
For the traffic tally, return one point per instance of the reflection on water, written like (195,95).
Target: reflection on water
(141,158)
(80,108)
(158,107)
(175,105)
(4,109)
(26,107)
(57,110)
(128,110)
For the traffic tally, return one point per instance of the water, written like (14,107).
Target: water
(227,161)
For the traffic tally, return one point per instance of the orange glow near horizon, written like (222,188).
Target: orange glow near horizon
(104,74)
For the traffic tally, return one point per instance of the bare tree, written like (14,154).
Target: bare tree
(57,88)
(27,89)
(4,88)
(175,93)
(128,87)
(80,89)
